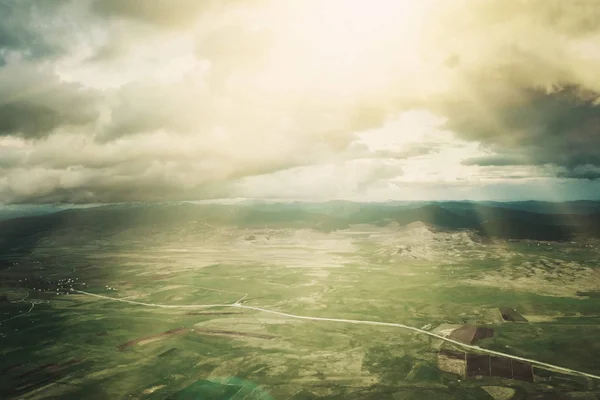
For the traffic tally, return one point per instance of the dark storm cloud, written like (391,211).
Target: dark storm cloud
(559,128)
(19,28)
(526,82)
(107,188)
(159,12)
(590,172)
(36,102)
(14,17)
(169,14)
(496,160)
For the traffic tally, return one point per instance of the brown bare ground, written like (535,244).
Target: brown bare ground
(214,313)
(152,338)
(233,333)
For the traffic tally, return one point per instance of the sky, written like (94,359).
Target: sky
(370,100)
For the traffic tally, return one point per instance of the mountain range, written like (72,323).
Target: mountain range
(519,220)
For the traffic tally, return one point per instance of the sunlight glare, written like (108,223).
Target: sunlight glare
(345,47)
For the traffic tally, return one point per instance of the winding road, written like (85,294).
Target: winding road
(23,300)
(357,322)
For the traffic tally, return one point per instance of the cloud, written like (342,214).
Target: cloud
(587,171)
(496,160)
(21,29)
(559,128)
(144,100)
(157,166)
(536,97)
(181,106)
(169,13)
(346,179)
(35,102)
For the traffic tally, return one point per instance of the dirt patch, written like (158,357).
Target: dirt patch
(545,276)
(40,375)
(220,332)
(152,338)
(214,313)
(37,370)
(168,352)
(153,389)
(452,362)
(11,368)
(499,392)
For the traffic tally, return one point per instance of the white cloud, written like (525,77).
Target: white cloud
(348,180)
(323,98)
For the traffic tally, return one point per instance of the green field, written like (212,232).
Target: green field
(73,346)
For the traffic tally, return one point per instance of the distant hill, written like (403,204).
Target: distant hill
(581,207)
(513,228)
(11,212)
(512,221)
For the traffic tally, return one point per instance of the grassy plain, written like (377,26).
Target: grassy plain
(73,346)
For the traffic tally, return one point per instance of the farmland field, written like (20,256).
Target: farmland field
(64,335)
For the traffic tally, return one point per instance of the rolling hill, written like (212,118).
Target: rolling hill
(483,218)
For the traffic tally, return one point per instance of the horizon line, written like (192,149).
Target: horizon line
(233,201)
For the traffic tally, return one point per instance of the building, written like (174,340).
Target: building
(478,366)
(510,314)
(470,334)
